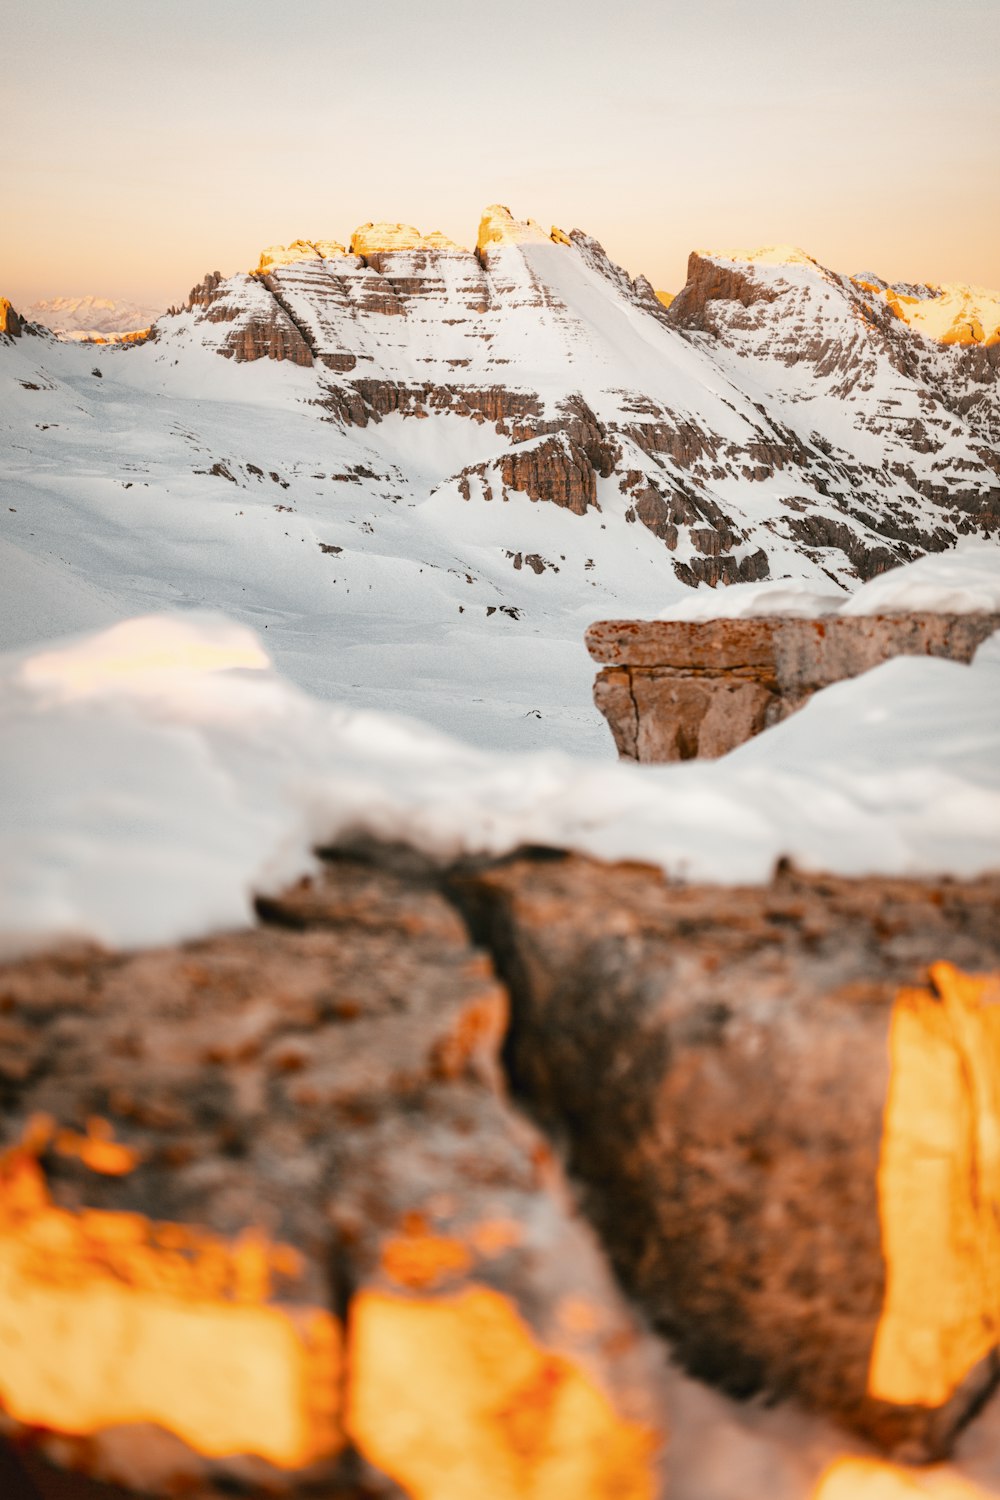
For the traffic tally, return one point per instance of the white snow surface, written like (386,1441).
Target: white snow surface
(159,774)
(961,582)
(964,581)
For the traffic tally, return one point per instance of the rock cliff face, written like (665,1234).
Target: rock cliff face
(276,1181)
(774,409)
(677,690)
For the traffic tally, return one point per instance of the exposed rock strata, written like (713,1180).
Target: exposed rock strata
(265,1193)
(690,402)
(550,468)
(679,689)
(780,1102)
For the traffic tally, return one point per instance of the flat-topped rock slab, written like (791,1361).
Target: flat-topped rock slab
(681,689)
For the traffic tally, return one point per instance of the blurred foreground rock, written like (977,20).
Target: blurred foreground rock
(679,689)
(784,1103)
(270,1224)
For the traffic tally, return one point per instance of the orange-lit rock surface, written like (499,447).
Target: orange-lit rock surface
(953,314)
(11,323)
(868,1479)
(267,1219)
(782,1102)
(369,239)
(680,689)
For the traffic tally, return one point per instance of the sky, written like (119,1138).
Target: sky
(147,141)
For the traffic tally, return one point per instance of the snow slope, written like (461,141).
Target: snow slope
(419,472)
(963,581)
(160,773)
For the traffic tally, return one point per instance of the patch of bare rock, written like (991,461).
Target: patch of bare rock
(382,1197)
(683,689)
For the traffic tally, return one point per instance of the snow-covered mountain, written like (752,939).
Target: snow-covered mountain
(90,317)
(423,470)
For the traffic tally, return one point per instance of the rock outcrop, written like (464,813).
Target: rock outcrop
(267,1221)
(680,689)
(552,468)
(782,1103)
(11,324)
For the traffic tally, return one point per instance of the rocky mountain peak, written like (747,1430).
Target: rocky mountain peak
(10,321)
(949,314)
(373,239)
(766,255)
(289,255)
(775,414)
(498,227)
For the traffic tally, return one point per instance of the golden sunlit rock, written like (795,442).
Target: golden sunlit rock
(939,1183)
(97,1149)
(421,1260)
(289,255)
(869,1479)
(951,314)
(765,255)
(499,227)
(10,322)
(108,1319)
(370,239)
(456,1400)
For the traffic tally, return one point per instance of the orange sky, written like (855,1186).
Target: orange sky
(147,143)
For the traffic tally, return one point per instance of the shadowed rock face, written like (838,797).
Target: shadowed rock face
(750,1084)
(756,370)
(680,689)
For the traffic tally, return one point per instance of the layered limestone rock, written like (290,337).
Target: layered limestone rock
(498,228)
(260,326)
(724,407)
(680,689)
(290,255)
(369,239)
(552,468)
(268,1222)
(906,359)
(782,1103)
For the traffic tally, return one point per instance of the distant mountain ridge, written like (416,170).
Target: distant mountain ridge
(90,317)
(766,370)
(425,470)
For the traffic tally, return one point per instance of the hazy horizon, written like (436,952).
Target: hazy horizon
(145,146)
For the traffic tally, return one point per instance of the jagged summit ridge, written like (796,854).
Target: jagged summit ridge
(878,446)
(497,228)
(91,318)
(395,460)
(766,255)
(777,419)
